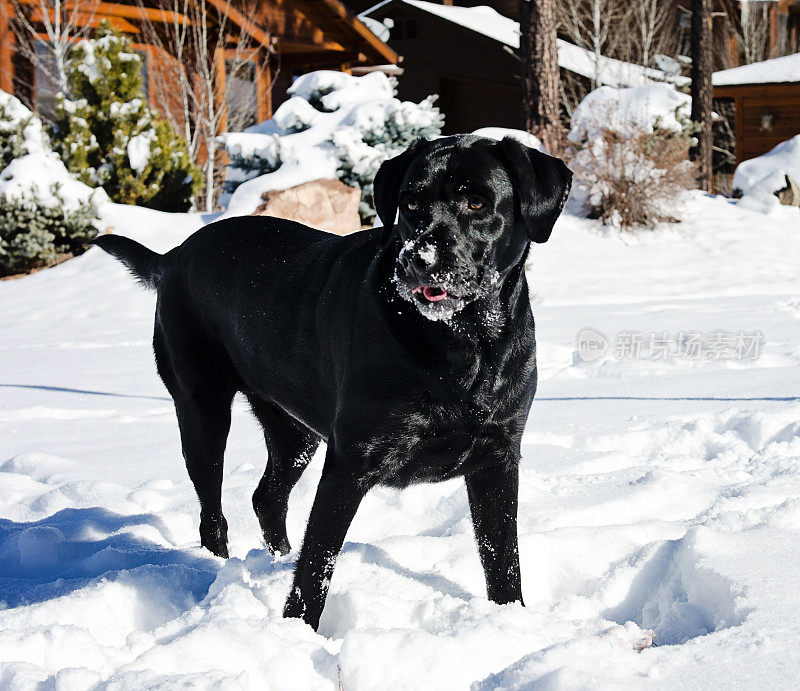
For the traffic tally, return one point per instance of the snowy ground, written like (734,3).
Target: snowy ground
(663,492)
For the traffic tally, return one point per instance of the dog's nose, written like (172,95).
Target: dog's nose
(414,264)
(419,260)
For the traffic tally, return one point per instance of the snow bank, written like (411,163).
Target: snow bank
(656,495)
(630,111)
(34,177)
(334,126)
(765,175)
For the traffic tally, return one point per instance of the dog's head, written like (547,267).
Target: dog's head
(467,208)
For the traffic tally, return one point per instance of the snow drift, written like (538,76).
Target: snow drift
(765,175)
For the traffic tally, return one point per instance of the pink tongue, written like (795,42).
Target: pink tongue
(432,296)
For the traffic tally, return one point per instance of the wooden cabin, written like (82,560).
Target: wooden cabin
(468,56)
(285,38)
(766,103)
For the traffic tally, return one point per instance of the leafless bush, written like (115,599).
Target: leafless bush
(635,179)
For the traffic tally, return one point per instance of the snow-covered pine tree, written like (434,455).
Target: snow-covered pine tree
(38,224)
(109,137)
(354,123)
(362,147)
(21,131)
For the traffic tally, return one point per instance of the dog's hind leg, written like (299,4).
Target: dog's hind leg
(202,387)
(290,446)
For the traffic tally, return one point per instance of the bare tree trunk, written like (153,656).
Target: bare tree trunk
(540,75)
(702,92)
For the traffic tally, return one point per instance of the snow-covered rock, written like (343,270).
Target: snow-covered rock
(324,204)
(765,175)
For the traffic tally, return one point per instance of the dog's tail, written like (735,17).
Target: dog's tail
(143,263)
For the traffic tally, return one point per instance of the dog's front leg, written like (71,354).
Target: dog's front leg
(338,495)
(493,498)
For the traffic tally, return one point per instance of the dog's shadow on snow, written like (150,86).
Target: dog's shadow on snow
(46,559)
(377,556)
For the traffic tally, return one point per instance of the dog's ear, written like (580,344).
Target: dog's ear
(386,187)
(541,186)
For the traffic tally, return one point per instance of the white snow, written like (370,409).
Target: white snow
(490,23)
(604,164)
(629,111)
(499,133)
(657,494)
(33,177)
(34,139)
(763,176)
(776,70)
(361,108)
(139,150)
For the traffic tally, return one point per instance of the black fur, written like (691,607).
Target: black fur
(143,263)
(410,350)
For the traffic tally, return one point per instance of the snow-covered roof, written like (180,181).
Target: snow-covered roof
(490,23)
(776,70)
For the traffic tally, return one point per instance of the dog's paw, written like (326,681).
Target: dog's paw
(277,544)
(214,535)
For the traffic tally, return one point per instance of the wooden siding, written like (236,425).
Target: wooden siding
(782,101)
(476,78)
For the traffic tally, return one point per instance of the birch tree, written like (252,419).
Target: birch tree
(595,26)
(649,20)
(752,33)
(58,24)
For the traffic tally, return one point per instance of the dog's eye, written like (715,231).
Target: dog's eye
(412,204)
(475,203)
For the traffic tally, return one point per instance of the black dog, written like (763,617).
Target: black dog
(409,349)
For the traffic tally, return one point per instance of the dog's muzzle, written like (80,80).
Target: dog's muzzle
(422,279)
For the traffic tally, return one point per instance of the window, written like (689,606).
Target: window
(685,34)
(45,80)
(145,74)
(241,96)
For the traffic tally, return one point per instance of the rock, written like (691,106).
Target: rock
(789,195)
(325,204)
